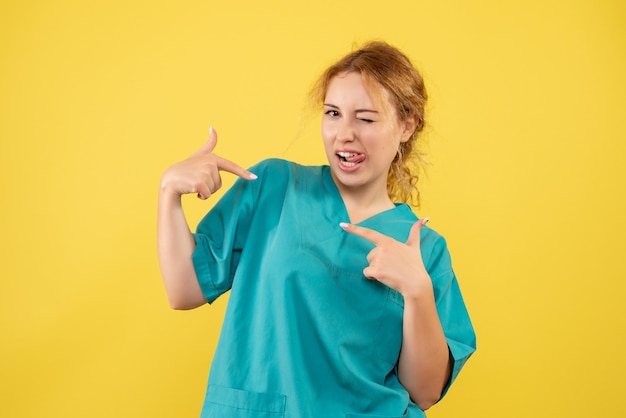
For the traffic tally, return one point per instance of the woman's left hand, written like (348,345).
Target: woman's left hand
(395,264)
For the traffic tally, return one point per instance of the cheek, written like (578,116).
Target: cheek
(394,138)
(385,140)
(325,129)
(328,133)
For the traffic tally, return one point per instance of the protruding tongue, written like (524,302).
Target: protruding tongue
(356,159)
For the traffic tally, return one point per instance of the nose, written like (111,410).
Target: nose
(345,131)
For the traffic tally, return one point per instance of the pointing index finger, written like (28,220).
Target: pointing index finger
(372,236)
(222,163)
(227,165)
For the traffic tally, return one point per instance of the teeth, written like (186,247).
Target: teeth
(347,154)
(348,164)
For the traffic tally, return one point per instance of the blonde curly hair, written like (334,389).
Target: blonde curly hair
(385,68)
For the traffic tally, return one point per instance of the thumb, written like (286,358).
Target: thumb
(209,146)
(414,234)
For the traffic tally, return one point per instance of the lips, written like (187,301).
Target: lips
(349,160)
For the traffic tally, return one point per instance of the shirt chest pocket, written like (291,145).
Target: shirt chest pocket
(234,403)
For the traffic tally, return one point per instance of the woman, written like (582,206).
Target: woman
(342,304)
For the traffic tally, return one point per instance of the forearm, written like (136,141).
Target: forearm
(175,245)
(424,365)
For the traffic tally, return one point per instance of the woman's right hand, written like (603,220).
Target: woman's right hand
(200,173)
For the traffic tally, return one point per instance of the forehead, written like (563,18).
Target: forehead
(353,86)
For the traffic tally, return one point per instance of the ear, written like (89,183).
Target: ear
(409,127)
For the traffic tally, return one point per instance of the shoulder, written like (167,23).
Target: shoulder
(435,252)
(278,172)
(271,165)
(431,239)
(285,167)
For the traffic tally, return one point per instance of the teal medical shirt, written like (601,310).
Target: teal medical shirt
(305,333)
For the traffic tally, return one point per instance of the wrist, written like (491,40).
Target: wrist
(166,186)
(168,194)
(418,289)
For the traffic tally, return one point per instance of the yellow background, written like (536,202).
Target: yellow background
(527,134)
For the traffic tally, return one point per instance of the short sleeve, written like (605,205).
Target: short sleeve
(451,308)
(220,237)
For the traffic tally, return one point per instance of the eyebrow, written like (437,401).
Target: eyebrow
(356,111)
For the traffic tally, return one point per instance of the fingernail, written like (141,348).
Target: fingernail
(343,225)
(253,176)
(425,220)
(210,130)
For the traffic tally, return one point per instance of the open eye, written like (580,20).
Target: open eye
(331,112)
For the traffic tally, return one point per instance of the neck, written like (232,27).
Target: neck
(362,203)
